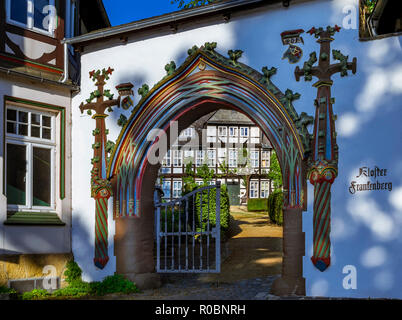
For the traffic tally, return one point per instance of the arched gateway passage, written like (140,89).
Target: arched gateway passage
(206,81)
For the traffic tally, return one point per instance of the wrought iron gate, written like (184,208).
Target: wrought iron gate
(187,232)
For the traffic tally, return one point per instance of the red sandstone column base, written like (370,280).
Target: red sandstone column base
(291,281)
(133,245)
(289,286)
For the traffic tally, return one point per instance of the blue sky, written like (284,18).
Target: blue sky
(124,11)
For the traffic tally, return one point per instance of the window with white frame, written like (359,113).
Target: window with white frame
(254,158)
(177,158)
(265,156)
(211,157)
(166,163)
(166,160)
(233,131)
(211,134)
(187,133)
(253,189)
(30,159)
(221,155)
(222,133)
(188,156)
(264,189)
(200,154)
(232,158)
(177,185)
(36,15)
(244,132)
(233,134)
(255,135)
(166,185)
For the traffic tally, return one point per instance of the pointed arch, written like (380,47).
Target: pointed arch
(205,82)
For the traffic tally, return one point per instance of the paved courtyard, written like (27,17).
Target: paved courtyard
(252,260)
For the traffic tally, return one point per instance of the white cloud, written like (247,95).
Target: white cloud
(396,80)
(395,198)
(366,211)
(378,50)
(340,229)
(376,87)
(340,4)
(348,124)
(373,257)
(319,288)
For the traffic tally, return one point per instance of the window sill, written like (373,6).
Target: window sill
(34,219)
(382,36)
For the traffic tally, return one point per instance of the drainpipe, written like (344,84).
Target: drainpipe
(65,77)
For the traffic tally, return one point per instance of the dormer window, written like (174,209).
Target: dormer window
(380,18)
(36,15)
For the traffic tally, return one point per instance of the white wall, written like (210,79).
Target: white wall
(37,239)
(366,227)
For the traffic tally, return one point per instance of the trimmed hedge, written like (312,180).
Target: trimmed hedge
(275,207)
(225,208)
(257,204)
(180,213)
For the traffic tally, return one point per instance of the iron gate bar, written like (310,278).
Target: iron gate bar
(180,204)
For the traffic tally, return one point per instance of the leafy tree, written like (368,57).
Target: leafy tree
(205,173)
(370,5)
(245,169)
(184,4)
(274,172)
(189,179)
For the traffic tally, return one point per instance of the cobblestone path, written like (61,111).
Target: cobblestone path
(252,260)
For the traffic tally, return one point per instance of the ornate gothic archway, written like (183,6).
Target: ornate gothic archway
(206,82)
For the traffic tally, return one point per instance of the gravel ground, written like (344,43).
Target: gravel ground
(183,287)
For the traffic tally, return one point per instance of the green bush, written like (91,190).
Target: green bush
(77,288)
(4,289)
(258,204)
(113,284)
(73,272)
(275,207)
(35,294)
(209,209)
(71,292)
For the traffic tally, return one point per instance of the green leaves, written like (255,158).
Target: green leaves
(185,4)
(121,122)
(73,271)
(234,55)
(210,46)
(267,74)
(143,91)
(275,172)
(170,68)
(343,60)
(370,5)
(205,173)
(192,50)
(275,207)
